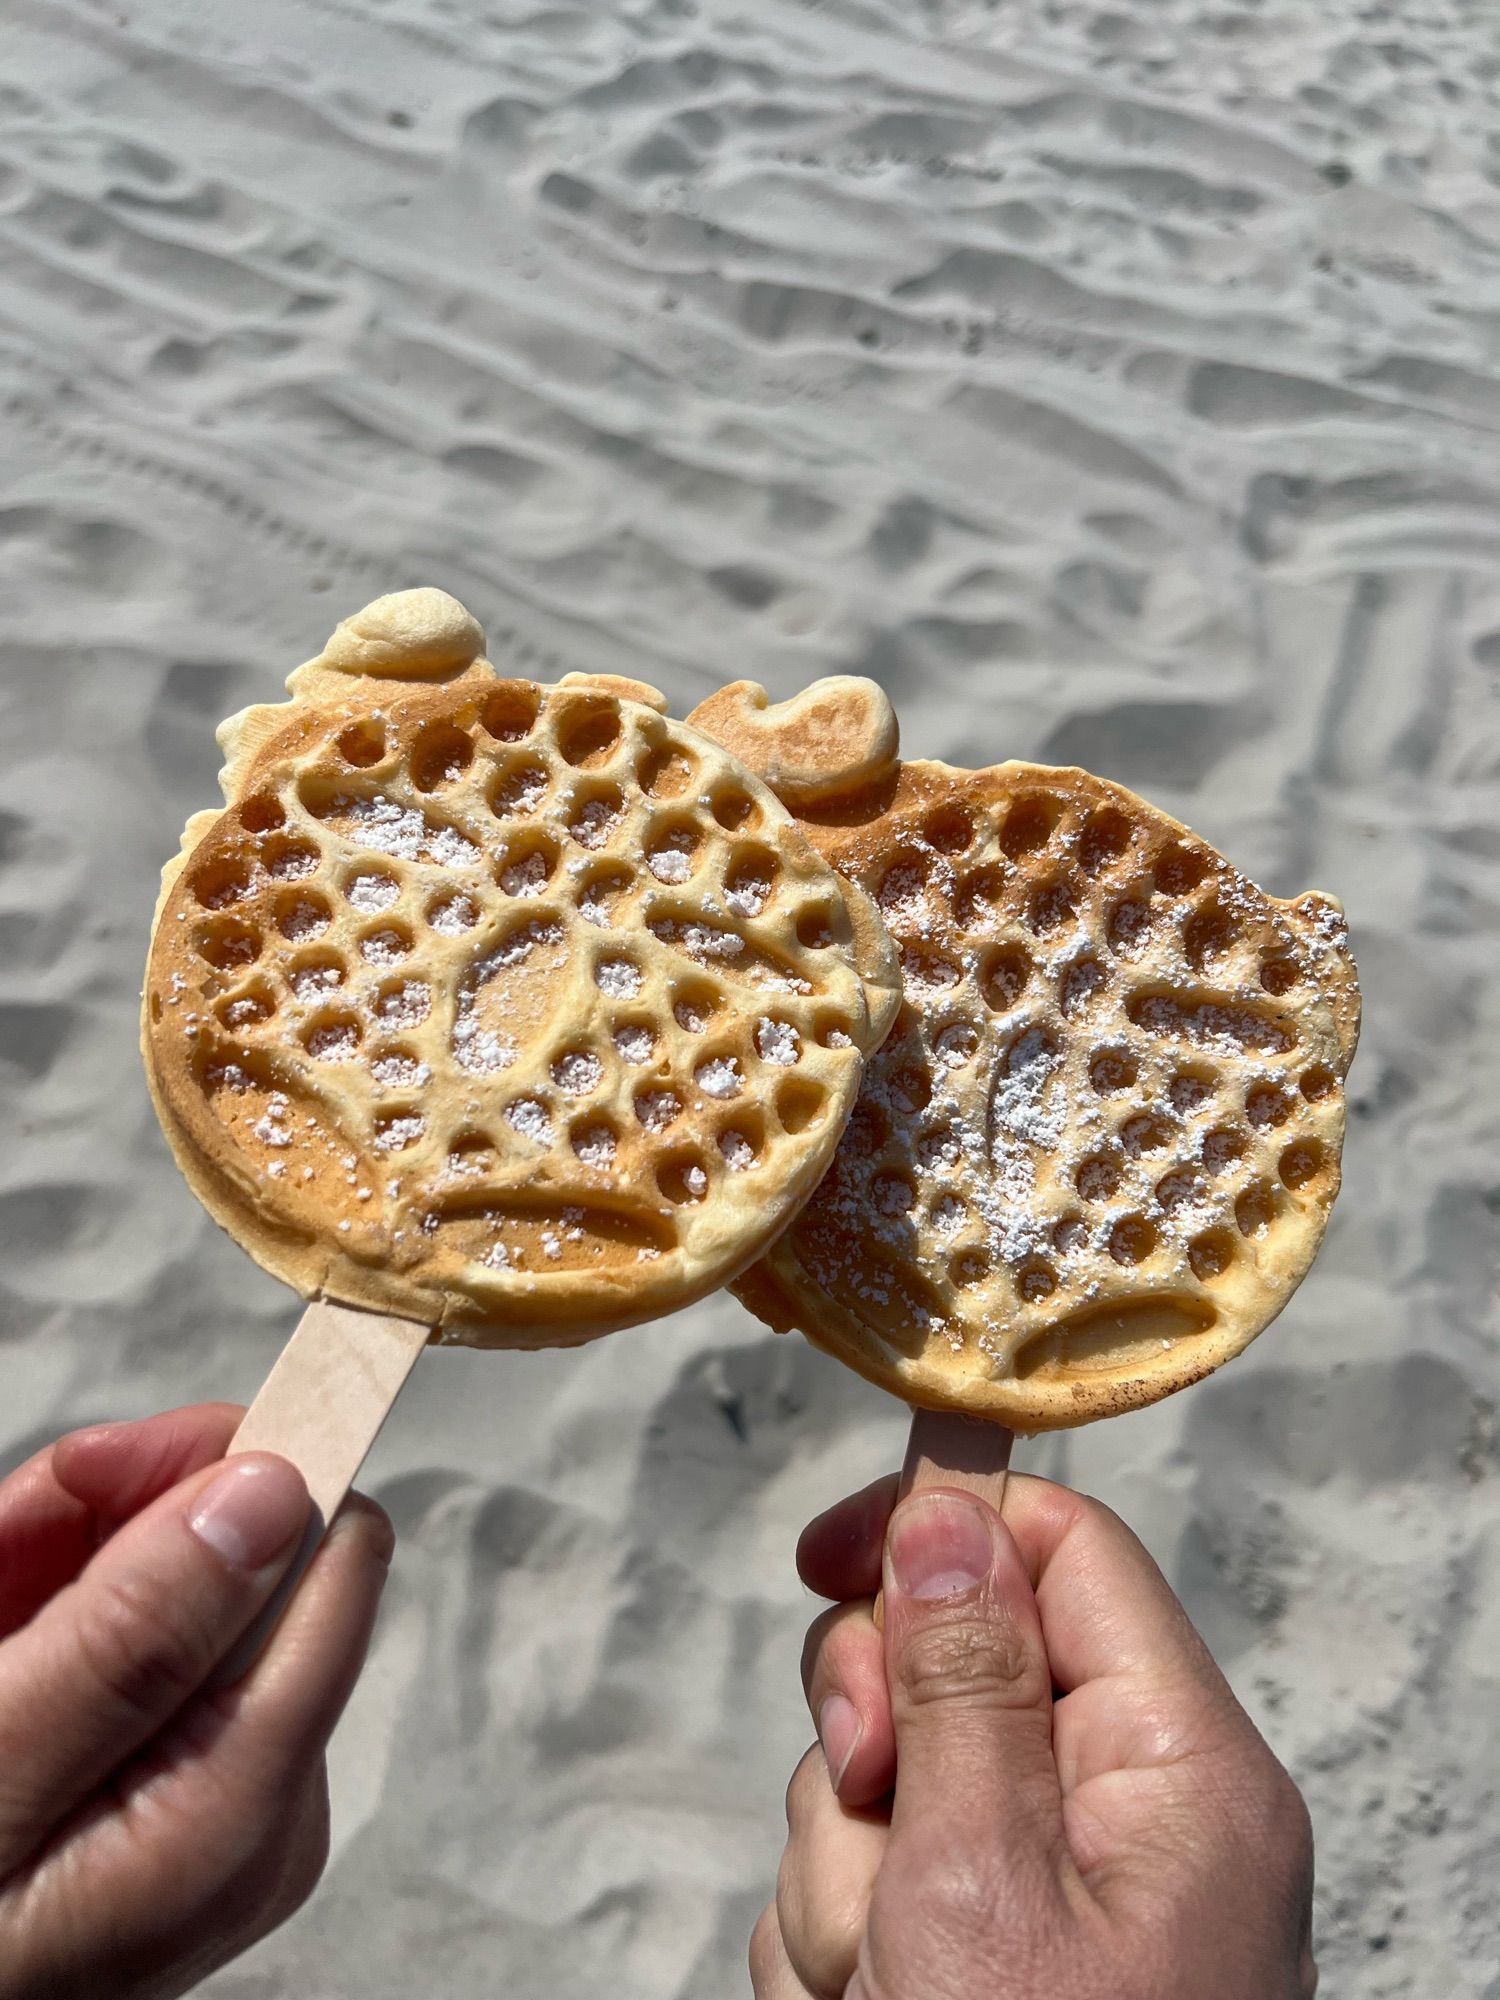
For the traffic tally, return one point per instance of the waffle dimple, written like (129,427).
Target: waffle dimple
(519,1010)
(1098,1151)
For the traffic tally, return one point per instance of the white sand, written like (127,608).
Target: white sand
(1119,384)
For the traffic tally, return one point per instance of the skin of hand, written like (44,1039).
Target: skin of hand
(150,1828)
(1034,1783)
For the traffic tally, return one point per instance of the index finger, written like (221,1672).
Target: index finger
(839,1551)
(46,1537)
(118,1469)
(57,1507)
(1106,1607)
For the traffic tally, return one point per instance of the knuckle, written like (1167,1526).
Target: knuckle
(810,1772)
(973,1661)
(763,1949)
(814,1646)
(137,1646)
(1283,1825)
(1291,1821)
(306,1871)
(287,1869)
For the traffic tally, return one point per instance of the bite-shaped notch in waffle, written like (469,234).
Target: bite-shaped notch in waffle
(1098,1151)
(522,1011)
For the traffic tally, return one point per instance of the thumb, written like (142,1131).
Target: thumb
(116,1654)
(971,1699)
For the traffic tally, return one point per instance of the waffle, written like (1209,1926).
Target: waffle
(1098,1151)
(520,1011)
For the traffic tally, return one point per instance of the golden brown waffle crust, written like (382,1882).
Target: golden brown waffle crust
(581,1217)
(1157,1055)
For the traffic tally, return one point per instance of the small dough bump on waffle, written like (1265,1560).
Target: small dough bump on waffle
(519,1010)
(1098,1150)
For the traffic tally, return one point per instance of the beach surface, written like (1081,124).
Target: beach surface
(1118,386)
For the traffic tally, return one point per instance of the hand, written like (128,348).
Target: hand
(1081,1809)
(149,1830)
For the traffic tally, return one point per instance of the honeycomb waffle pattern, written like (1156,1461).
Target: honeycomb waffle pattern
(1098,1150)
(520,1009)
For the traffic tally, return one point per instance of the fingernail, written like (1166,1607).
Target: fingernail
(940,1546)
(839,1731)
(253,1512)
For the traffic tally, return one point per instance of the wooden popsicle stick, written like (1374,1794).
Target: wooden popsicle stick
(948,1450)
(322,1407)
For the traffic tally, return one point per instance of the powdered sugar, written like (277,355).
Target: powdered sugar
(777,1041)
(311,982)
(1025,1103)
(656,1109)
(737,1151)
(595,1145)
(526,876)
(398,1132)
(938,1149)
(748,895)
(383,947)
(577,1072)
(480,1050)
(395,1071)
(672,863)
(719,1077)
(405,1006)
(391,828)
(242,1013)
(304,920)
(620,978)
(529,1117)
(635,1044)
(372,892)
(955,1045)
(455,916)
(517,947)
(522,790)
(593,903)
(705,941)
(338,1042)
(290,864)
(271,1127)
(593,823)
(948,1214)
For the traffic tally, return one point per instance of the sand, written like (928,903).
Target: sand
(1117,385)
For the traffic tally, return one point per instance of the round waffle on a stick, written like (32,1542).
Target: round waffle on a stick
(522,1012)
(1097,1152)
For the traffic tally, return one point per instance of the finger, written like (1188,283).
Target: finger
(218,1829)
(971,1696)
(843,1677)
(828,1870)
(771,1974)
(117,1469)
(838,1553)
(284,1710)
(57,1508)
(1106,1606)
(46,1537)
(107,1662)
